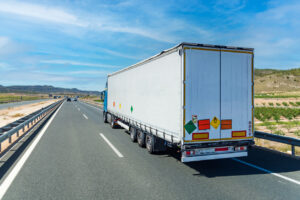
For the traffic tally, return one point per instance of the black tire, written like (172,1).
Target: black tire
(133,134)
(105,117)
(150,142)
(112,122)
(141,138)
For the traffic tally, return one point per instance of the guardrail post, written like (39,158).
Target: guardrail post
(293,150)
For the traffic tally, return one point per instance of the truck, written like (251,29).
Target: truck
(195,97)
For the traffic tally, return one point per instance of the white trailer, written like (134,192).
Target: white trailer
(194,96)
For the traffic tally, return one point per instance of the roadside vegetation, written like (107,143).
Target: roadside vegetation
(7,98)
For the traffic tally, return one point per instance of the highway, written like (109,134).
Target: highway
(21,103)
(77,156)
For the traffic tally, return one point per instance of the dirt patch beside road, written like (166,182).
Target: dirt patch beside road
(12,114)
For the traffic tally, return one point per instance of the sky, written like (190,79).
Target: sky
(75,44)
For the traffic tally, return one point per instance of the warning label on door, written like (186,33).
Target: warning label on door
(190,127)
(215,122)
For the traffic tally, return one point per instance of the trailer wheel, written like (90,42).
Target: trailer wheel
(105,117)
(113,123)
(150,141)
(133,134)
(141,138)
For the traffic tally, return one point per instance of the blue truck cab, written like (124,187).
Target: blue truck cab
(105,103)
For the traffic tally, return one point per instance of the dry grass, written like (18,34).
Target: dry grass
(276,146)
(17,115)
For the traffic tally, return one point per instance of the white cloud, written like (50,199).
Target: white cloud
(231,6)
(75,63)
(9,47)
(3,41)
(5,66)
(89,72)
(40,12)
(152,34)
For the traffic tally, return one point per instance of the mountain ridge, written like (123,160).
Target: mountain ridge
(44,89)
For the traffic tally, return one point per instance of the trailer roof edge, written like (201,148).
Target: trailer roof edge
(177,47)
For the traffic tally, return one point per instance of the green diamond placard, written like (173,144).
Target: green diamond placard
(131,109)
(190,127)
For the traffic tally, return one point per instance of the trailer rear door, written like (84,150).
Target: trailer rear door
(236,94)
(217,94)
(202,94)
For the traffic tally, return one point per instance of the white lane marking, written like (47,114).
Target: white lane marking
(14,172)
(111,145)
(85,116)
(267,171)
(99,109)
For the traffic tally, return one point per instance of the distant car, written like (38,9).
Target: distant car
(75,99)
(69,99)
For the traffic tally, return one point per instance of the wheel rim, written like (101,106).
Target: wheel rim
(132,134)
(138,136)
(148,142)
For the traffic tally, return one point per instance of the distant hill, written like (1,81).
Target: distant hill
(276,81)
(45,89)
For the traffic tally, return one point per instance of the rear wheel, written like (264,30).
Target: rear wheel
(105,117)
(150,141)
(133,134)
(113,123)
(141,138)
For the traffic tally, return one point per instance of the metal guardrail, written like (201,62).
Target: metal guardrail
(25,123)
(278,138)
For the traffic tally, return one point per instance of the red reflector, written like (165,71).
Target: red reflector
(203,124)
(242,148)
(188,153)
(221,149)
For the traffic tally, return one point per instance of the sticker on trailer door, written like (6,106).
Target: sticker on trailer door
(194,119)
(215,122)
(190,127)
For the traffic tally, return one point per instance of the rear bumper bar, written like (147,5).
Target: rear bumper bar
(214,156)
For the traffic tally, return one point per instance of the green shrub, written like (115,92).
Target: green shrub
(266,113)
(288,127)
(272,128)
(285,103)
(278,104)
(279,132)
(271,104)
(292,103)
(297,132)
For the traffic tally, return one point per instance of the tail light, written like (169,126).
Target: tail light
(240,148)
(189,152)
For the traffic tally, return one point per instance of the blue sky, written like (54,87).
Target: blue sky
(75,44)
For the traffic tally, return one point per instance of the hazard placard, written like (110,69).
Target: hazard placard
(190,127)
(215,122)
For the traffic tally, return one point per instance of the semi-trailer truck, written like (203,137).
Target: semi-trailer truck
(196,97)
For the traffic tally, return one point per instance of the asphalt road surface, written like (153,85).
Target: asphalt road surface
(80,157)
(21,103)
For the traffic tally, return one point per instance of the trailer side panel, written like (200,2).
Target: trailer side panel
(149,93)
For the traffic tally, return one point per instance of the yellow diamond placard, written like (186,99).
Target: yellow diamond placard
(215,122)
